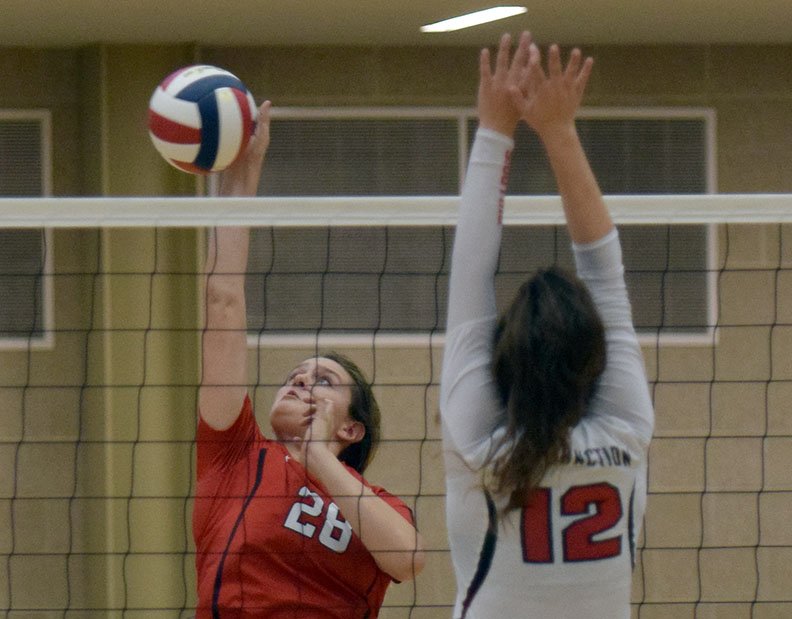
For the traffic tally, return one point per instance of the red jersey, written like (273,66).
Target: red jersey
(270,541)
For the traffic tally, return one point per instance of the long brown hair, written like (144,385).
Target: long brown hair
(549,352)
(363,408)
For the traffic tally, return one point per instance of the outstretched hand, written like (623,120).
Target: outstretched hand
(549,101)
(500,103)
(242,177)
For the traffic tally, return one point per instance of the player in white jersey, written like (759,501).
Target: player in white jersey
(546,412)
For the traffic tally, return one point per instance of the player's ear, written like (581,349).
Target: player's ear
(351,431)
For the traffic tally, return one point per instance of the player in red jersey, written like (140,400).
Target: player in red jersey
(286,527)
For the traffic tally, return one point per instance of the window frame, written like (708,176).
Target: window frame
(47,340)
(462,115)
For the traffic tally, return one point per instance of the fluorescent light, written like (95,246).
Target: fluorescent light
(474,19)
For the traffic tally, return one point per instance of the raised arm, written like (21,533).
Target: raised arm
(549,105)
(478,231)
(224,362)
(469,407)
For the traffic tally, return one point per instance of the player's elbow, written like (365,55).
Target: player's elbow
(405,565)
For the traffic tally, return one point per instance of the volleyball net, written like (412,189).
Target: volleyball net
(100,333)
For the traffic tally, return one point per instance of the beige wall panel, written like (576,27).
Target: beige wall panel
(728,574)
(638,593)
(4,600)
(676,465)
(779,414)
(403,412)
(673,521)
(161,420)
(397,468)
(104,469)
(751,71)
(11,421)
(682,409)
(786,245)
(432,468)
(26,569)
(742,353)
(133,166)
(772,610)
(153,581)
(670,575)
(8,454)
(432,407)
(665,611)
(730,519)
(435,586)
(106,572)
(52,413)
(430,516)
(161,469)
(784,297)
(738,409)
(37,477)
(775,577)
(41,526)
(748,246)
(684,363)
(753,148)
(6,530)
(775,510)
(404,366)
(778,463)
(734,464)
(716,610)
(150,525)
(650,75)
(48,79)
(746,298)
(100,525)
(782,353)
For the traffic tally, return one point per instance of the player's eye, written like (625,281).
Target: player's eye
(324,381)
(291,378)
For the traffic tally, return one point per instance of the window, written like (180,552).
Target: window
(24,172)
(359,280)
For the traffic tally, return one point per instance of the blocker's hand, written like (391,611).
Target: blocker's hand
(499,105)
(551,100)
(242,178)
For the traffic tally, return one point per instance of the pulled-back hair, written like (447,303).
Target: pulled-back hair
(363,408)
(549,352)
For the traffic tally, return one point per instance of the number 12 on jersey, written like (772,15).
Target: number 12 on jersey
(600,509)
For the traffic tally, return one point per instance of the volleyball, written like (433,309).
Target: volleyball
(201,118)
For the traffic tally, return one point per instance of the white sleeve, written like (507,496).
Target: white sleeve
(622,391)
(468,403)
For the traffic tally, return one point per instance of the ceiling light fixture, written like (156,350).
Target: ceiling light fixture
(474,19)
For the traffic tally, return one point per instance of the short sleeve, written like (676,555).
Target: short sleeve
(218,449)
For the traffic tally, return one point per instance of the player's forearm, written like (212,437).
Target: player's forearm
(587,216)
(393,542)
(224,361)
(478,232)
(226,263)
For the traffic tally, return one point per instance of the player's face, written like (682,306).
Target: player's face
(314,380)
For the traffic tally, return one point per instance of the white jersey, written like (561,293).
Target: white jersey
(570,552)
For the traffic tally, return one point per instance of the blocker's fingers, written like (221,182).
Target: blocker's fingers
(502,60)
(485,70)
(582,78)
(522,55)
(554,61)
(573,64)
